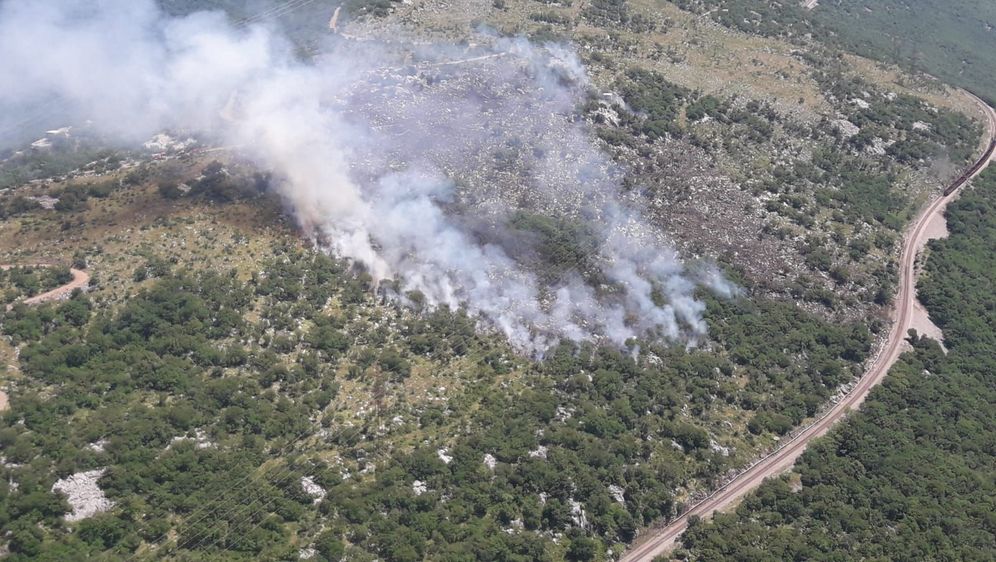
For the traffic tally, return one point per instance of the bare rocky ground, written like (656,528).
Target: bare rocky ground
(703,196)
(936,229)
(705,201)
(701,200)
(83,494)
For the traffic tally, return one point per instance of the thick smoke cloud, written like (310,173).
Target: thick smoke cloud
(412,162)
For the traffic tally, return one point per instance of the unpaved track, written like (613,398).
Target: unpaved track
(80,280)
(661,541)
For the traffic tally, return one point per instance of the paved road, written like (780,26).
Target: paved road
(662,540)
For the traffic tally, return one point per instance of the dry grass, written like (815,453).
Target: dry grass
(119,232)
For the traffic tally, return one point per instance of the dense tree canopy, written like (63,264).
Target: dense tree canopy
(909,477)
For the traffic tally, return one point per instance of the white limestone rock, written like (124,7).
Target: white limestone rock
(312,489)
(618,494)
(419,487)
(444,455)
(83,494)
(538,452)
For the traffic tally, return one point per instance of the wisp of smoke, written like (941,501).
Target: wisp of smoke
(413,163)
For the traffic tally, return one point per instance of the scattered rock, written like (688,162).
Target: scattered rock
(878,146)
(578,515)
(312,489)
(538,452)
(83,494)
(200,439)
(490,461)
(563,414)
(164,143)
(618,494)
(846,128)
(51,137)
(45,202)
(444,455)
(717,448)
(419,487)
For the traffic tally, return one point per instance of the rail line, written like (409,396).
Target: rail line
(981,163)
(661,540)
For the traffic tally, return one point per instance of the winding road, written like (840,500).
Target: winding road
(660,541)
(79,281)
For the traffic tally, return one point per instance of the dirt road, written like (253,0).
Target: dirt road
(80,280)
(661,540)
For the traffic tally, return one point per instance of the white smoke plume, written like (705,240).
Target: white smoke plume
(412,162)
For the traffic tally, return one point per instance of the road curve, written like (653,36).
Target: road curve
(660,541)
(80,280)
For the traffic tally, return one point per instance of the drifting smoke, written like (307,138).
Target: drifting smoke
(410,162)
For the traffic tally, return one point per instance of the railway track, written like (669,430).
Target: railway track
(978,167)
(662,540)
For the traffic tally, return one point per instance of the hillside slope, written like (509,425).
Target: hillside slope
(910,476)
(226,389)
(952,40)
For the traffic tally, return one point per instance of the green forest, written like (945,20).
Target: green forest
(240,394)
(185,396)
(910,476)
(28,281)
(952,40)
